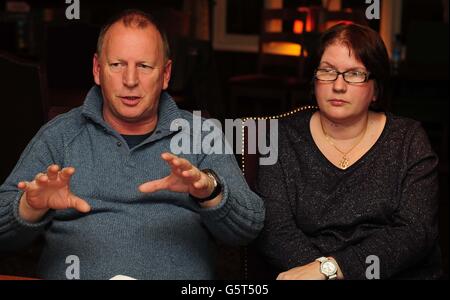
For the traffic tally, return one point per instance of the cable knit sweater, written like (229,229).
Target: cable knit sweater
(162,235)
(385,204)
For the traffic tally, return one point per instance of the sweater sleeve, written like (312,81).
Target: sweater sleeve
(282,242)
(16,233)
(239,217)
(414,228)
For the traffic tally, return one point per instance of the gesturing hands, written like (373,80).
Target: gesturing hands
(184,178)
(49,191)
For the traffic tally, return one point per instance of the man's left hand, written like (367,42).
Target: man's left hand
(184,178)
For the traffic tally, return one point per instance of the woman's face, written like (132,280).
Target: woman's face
(340,100)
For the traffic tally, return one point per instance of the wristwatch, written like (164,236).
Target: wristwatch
(217,186)
(328,268)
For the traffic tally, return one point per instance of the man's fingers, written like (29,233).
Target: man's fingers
(40,179)
(181,163)
(168,156)
(23,185)
(154,186)
(43,179)
(66,174)
(201,184)
(81,205)
(52,172)
(176,162)
(193,174)
(38,175)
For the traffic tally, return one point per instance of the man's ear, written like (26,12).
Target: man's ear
(167,74)
(96,68)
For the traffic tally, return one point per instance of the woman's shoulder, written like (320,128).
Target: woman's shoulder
(408,134)
(298,120)
(400,125)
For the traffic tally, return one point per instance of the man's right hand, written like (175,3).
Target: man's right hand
(49,191)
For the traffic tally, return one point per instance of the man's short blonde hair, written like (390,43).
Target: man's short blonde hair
(138,19)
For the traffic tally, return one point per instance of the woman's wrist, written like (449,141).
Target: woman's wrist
(340,275)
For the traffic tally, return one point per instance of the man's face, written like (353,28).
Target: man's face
(132,72)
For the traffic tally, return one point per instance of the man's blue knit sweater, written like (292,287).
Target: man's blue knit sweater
(162,235)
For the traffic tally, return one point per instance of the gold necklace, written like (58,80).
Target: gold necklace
(344,163)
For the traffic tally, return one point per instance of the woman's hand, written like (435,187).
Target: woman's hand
(310,271)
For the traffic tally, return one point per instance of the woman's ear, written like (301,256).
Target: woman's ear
(375,94)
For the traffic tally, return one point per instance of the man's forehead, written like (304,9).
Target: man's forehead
(118,29)
(120,38)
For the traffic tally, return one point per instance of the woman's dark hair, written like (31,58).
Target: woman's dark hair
(368,47)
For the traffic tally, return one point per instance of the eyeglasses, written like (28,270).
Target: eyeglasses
(349,76)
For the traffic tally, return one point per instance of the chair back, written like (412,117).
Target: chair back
(256,266)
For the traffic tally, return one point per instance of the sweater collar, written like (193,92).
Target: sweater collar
(167,111)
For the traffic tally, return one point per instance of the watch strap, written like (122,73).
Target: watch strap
(217,186)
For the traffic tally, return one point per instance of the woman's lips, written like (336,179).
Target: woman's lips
(337,102)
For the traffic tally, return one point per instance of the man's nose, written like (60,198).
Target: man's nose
(131,77)
(340,85)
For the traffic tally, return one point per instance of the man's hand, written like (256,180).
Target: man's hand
(49,191)
(184,178)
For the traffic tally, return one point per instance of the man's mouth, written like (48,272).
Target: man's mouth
(130,100)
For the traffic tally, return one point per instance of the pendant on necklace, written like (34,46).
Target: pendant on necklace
(344,163)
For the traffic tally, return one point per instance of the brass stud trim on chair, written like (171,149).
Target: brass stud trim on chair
(280,116)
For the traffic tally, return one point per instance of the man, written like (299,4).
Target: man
(93,181)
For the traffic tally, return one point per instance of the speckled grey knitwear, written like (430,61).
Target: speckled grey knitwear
(385,204)
(161,235)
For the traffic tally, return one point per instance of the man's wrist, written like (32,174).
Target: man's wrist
(28,213)
(217,186)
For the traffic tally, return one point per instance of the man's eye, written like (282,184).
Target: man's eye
(115,65)
(145,66)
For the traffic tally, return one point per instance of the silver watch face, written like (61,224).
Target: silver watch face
(328,268)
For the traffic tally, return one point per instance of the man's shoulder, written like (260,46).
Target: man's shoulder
(197,116)
(65,124)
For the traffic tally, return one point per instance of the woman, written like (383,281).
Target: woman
(354,194)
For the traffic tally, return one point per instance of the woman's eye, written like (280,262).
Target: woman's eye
(329,71)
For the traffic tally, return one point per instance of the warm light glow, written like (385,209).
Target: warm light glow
(298,27)
(277,48)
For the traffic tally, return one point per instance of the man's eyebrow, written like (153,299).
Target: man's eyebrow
(124,61)
(144,62)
